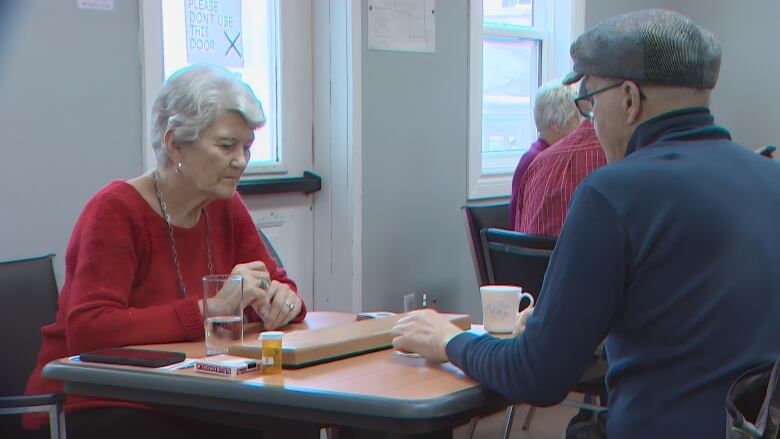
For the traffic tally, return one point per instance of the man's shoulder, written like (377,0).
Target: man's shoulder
(580,141)
(565,152)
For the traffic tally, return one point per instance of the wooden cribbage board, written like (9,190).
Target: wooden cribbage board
(307,347)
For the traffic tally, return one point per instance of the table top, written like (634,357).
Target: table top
(374,384)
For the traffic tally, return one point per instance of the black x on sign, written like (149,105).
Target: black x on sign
(232,44)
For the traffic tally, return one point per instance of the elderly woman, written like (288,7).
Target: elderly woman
(140,247)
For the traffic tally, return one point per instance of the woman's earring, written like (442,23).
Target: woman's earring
(178,167)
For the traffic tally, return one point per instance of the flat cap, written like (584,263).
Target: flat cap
(653,46)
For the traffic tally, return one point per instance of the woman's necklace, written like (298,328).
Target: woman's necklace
(164,209)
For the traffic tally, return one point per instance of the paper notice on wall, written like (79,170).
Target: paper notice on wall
(96,5)
(214,32)
(406,25)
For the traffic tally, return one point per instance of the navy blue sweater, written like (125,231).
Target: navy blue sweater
(671,254)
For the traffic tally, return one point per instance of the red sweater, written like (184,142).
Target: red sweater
(120,283)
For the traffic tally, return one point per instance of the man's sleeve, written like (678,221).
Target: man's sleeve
(582,292)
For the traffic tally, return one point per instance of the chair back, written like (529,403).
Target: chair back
(28,301)
(514,258)
(753,403)
(270,247)
(476,218)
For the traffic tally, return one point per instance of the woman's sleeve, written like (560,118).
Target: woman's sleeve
(101,262)
(250,247)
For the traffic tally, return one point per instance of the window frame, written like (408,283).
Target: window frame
(554,24)
(293,87)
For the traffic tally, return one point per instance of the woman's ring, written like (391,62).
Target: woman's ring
(263,284)
(290,305)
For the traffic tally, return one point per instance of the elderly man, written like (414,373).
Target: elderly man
(669,251)
(552,178)
(555,116)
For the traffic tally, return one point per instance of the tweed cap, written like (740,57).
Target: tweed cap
(653,46)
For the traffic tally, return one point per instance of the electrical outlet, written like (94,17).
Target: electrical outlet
(409,302)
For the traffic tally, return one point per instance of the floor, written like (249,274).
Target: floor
(548,423)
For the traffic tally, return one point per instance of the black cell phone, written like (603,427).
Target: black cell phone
(134,357)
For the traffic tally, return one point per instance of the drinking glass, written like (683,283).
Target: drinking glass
(224,324)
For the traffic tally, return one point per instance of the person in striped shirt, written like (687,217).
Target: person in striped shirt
(552,178)
(555,116)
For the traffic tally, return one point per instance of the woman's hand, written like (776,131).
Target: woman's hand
(256,283)
(284,305)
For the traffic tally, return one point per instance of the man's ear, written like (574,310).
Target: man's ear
(172,149)
(632,102)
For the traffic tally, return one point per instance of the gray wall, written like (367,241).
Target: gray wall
(598,10)
(746,100)
(414,170)
(70,118)
(414,140)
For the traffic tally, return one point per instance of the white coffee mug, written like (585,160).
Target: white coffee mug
(500,305)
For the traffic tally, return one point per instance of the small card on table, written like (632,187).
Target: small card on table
(226,365)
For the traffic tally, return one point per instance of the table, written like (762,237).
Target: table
(386,395)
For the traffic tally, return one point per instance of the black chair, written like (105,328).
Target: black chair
(752,403)
(514,258)
(28,301)
(270,248)
(476,218)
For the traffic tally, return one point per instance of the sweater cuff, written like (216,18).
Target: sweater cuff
(457,345)
(301,315)
(189,315)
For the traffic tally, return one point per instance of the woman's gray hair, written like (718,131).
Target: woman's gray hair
(193,97)
(554,105)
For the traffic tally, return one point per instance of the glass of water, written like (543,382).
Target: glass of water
(223,320)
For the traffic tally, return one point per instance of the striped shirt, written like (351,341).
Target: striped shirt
(552,178)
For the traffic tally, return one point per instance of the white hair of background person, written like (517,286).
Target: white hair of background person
(192,98)
(554,106)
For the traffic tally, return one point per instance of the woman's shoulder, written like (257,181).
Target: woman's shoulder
(116,196)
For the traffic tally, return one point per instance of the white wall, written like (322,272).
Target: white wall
(414,170)
(70,114)
(70,117)
(70,120)
(746,100)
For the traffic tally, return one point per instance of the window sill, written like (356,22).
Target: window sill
(491,187)
(307,184)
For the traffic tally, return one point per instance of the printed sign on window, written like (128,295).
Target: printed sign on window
(97,5)
(214,32)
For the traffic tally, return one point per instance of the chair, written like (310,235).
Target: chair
(476,218)
(752,403)
(28,301)
(513,258)
(270,248)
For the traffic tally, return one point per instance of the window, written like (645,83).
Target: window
(515,45)
(189,36)
(243,36)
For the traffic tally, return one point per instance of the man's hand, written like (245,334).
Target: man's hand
(426,333)
(524,316)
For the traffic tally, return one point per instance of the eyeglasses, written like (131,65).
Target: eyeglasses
(584,103)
